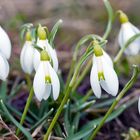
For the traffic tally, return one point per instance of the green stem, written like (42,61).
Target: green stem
(120,95)
(86,97)
(25,109)
(74,59)
(83,74)
(58,113)
(110,18)
(66,97)
(29,83)
(119,55)
(70,73)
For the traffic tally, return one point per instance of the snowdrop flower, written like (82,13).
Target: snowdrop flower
(27,53)
(5,44)
(46,79)
(139,105)
(126,32)
(43,43)
(103,74)
(4,67)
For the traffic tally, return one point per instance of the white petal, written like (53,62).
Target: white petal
(94,80)
(36,60)
(55,82)
(120,37)
(5,44)
(4,67)
(26,57)
(111,83)
(139,104)
(107,58)
(48,91)
(53,56)
(135,29)
(39,83)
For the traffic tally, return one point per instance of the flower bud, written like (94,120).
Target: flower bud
(44,56)
(41,33)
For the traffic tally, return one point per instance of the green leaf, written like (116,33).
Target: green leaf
(54,31)
(43,108)
(22,129)
(19,114)
(85,130)
(42,119)
(3,91)
(67,118)
(83,106)
(104,103)
(58,130)
(75,122)
(15,89)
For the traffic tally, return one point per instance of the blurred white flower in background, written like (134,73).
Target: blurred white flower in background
(127,31)
(103,74)
(139,105)
(46,79)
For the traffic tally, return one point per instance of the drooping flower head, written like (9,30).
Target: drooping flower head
(139,105)
(102,73)
(5,44)
(27,54)
(46,79)
(126,32)
(5,53)
(43,43)
(4,67)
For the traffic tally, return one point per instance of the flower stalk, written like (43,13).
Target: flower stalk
(25,109)
(119,97)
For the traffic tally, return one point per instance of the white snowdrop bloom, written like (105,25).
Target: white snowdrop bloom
(127,31)
(103,74)
(139,105)
(43,43)
(46,79)
(5,44)
(4,67)
(27,54)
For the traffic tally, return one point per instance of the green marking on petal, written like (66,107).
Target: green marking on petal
(101,76)
(47,79)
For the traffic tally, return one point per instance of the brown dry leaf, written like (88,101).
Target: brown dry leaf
(9,134)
